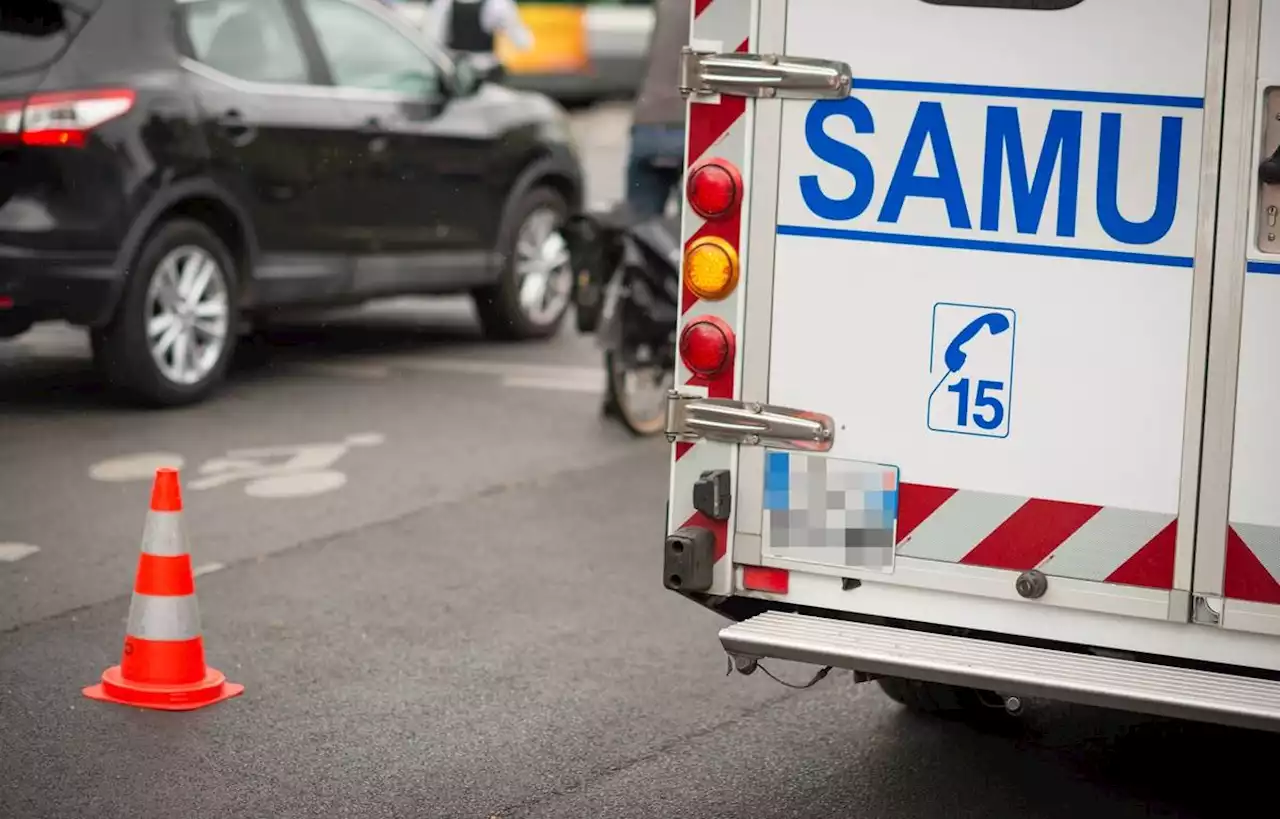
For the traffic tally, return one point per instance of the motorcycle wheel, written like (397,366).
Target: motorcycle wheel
(637,420)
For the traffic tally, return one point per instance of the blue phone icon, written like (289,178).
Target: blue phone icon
(972,395)
(955,357)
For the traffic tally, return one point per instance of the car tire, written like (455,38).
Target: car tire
(502,312)
(123,350)
(932,698)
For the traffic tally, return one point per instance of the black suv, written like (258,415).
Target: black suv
(171,167)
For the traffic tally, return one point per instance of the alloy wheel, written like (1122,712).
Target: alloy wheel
(544,274)
(187,315)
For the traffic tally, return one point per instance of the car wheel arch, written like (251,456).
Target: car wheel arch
(202,200)
(543,170)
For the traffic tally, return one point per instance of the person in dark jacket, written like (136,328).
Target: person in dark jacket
(472,27)
(655,163)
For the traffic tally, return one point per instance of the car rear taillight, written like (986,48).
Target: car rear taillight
(10,121)
(63,119)
(707,346)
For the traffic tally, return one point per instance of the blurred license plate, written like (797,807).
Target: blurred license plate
(830,511)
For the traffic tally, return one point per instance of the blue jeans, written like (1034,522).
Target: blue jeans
(654,167)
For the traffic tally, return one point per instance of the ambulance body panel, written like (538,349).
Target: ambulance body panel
(994,256)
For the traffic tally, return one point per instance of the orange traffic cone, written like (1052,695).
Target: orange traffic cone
(163,661)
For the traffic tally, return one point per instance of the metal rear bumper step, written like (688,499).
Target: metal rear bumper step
(1008,669)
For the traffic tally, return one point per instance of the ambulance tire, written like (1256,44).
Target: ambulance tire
(932,698)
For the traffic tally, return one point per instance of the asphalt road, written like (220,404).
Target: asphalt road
(461,614)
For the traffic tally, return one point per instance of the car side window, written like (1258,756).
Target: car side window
(366,52)
(251,40)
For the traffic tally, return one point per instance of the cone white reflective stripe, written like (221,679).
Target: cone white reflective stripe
(153,617)
(164,534)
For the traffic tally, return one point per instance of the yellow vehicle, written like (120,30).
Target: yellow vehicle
(583,49)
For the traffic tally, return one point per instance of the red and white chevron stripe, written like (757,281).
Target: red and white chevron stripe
(1253,563)
(1106,544)
(718,127)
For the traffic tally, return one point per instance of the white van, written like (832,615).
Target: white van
(976,393)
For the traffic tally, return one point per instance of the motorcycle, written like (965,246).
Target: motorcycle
(627,292)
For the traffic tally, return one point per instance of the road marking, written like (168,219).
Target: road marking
(208,568)
(296,486)
(136,467)
(291,471)
(13,552)
(346,369)
(594,386)
(505,369)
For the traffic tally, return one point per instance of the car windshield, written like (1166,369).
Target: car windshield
(31,34)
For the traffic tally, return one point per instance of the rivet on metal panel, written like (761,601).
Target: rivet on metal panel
(1032,584)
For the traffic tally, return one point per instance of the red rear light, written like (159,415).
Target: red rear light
(707,346)
(714,188)
(10,121)
(66,118)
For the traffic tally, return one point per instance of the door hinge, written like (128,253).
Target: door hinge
(704,73)
(1206,610)
(693,418)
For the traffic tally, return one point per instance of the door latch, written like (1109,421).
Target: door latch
(704,73)
(693,418)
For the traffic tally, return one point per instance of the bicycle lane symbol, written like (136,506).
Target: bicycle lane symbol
(972,356)
(291,471)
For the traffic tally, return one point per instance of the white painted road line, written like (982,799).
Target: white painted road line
(346,369)
(208,568)
(140,466)
(594,386)
(507,369)
(515,374)
(13,552)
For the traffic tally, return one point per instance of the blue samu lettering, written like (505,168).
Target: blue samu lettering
(1028,181)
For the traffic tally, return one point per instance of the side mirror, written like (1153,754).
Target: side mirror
(467,76)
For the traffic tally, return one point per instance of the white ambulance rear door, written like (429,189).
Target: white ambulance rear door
(1237,571)
(991,266)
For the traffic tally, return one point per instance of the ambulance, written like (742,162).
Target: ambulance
(977,390)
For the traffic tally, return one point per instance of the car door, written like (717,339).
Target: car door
(278,139)
(427,160)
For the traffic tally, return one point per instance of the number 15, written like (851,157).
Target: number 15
(981,400)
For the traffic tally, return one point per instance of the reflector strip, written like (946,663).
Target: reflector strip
(766,579)
(1102,544)
(1253,563)
(154,617)
(164,534)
